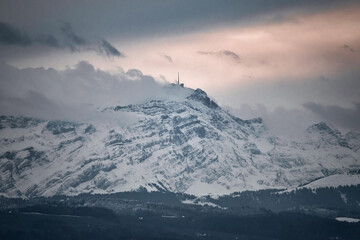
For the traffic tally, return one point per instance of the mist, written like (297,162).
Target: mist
(77,93)
(81,92)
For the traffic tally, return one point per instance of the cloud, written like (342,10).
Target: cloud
(347,47)
(27,105)
(72,39)
(48,40)
(77,43)
(161,17)
(167,57)
(72,94)
(231,54)
(222,53)
(10,35)
(290,56)
(348,118)
(279,121)
(109,49)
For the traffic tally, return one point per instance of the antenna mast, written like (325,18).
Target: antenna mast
(178,82)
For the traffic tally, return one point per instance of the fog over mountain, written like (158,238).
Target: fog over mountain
(75,93)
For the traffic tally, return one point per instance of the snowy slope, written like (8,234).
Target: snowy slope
(345,179)
(185,145)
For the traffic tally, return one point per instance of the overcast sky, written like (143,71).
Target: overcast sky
(267,58)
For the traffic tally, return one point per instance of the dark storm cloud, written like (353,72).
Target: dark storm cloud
(78,43)
(347,47)
(10,35)
(143,17)
(72,39)
(167,57)
(345,117)
(48,40)
(109,49)
(222,53)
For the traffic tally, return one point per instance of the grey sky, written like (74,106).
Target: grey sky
(136,18)
(13,36)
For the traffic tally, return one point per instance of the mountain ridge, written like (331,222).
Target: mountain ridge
(189,145)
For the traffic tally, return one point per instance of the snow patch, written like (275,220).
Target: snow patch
(201,203)
(202,189)
(347,219)
(335,180)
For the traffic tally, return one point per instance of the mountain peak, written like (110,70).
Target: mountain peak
(320,127)
(333,136)
(201,96)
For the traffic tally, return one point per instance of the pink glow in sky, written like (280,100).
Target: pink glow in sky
(304,47)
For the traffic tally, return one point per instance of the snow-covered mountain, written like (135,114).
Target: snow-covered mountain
(186,145)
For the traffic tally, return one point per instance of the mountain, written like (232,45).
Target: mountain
(188,145)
